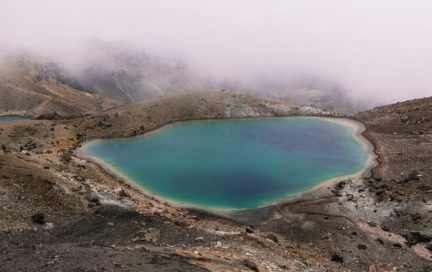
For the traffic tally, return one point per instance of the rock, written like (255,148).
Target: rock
(395,197)
(413,175)
(385,228)
(272,237)
(48,226)
(415,237)
(380,241)
(249,230)
(429,247)
(361,246)
(92,197)
(404,119)
(199,239)
(336,192)
(180,223)
(377,178)
(340,185)
(416,217)
(397,245)
(380,192)
(120,192)
(66,157)
(118,265)
(336,258)
(251,265)
(50,116)
(80,178)
(38,218)
(7,149)
(372,223)
(104,124)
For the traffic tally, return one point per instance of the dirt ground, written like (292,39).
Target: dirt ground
(59,212)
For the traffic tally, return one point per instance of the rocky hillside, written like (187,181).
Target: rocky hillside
(305,90)
(139,117)
(61,212)
(402,133)
(33,88)
(402,184)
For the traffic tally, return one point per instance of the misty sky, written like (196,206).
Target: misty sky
(377,48)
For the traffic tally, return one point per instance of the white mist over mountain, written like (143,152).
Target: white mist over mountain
(375,50)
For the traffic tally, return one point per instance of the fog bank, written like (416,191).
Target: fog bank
(376,50)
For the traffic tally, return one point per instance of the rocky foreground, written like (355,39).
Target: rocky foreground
(59,212)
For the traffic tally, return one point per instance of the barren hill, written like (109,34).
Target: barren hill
(31,87)
(402,135)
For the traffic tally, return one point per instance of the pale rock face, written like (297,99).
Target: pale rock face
(240,111)
(280,109)
(312,110)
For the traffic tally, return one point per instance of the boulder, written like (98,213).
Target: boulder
(336,258)
(361,246)
(272,237)
(38,218)
(104,124)
(251,265)
(66,157)
(249,230)
(92,197)
(415,237)
(199,239)
(413,175)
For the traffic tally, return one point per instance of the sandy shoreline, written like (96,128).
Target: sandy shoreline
(357,132)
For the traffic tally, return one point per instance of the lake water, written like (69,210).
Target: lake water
(234,164)
(5,118)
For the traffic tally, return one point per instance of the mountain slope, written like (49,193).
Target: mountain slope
(402,135)
(34,88)
(128,73)
(124,72)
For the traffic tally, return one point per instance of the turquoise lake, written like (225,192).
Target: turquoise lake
(234,164)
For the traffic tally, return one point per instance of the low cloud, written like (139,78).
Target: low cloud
(376,50)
